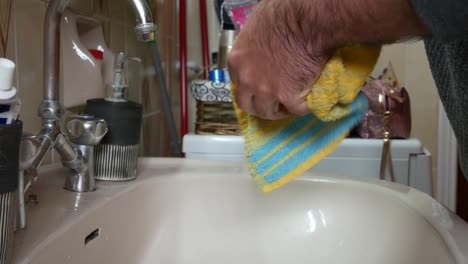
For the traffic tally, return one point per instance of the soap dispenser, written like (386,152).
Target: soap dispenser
(116,156)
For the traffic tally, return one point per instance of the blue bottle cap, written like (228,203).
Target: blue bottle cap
(216,75)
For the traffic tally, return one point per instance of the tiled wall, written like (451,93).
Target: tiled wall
(25,46)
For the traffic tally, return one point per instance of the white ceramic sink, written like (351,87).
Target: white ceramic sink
(187,211)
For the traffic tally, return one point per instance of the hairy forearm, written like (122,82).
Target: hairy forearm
(341,22)
(284,46)
(375,21)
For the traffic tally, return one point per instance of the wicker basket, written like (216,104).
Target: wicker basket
(215,113)
(215,118)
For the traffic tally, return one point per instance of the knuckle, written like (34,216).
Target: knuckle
(296,107)
(243,102)
(232,59)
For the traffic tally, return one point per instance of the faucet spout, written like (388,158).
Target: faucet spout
(142,11)
(145,28)
(73,139)
(50,109)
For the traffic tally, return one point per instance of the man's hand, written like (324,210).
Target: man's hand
(272,64)
(281,50)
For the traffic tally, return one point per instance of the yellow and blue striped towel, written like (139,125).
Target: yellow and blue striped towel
(278,151)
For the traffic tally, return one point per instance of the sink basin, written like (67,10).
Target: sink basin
(188,211)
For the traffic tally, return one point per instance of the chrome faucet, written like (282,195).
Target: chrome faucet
(71,136)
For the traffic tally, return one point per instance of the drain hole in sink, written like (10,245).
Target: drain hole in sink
(93,235)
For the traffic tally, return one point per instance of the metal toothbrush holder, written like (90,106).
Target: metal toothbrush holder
(10,137)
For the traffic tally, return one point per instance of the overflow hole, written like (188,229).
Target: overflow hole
(93,235)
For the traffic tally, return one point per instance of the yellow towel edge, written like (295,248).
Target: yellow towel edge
(243,119)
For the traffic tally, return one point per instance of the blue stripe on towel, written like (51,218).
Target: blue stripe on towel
(340,127)
(290,146)
(263,150)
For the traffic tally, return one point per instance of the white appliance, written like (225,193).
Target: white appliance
(354,157)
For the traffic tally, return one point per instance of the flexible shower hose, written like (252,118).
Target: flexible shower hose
(165,100)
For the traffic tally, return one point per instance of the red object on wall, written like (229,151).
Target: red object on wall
(97,54)
(183,67)
(183,57)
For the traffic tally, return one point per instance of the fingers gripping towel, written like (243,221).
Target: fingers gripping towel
(278,151)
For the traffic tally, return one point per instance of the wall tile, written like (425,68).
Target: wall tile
(116,10)
(164,135)
(129,16)
(117,37)
(152,135)
(84,7)
(133,46)
(166,22)
(30,59)
(11,40)
(6,7)
(101,7)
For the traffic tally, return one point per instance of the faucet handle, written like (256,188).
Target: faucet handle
(30,150)
(84,129)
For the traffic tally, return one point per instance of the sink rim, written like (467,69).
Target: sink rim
(29,243)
